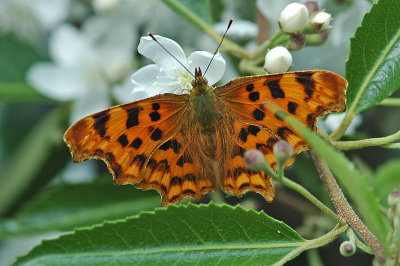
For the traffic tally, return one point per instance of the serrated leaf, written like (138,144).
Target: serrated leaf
(354,183)
(387,179)
(66,206)
(373,68)
(179,235)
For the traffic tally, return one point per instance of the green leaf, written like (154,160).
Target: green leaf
(30,155)
(373,68)
(17,92)
(387,179)
(179,235)
(67,206)
(15,58)
(354,183)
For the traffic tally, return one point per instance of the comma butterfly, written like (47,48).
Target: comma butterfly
(187,145)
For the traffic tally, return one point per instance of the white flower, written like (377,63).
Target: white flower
(278,60)
(30,20)
(321,21)
(167,75)
(83,68)
(293,18)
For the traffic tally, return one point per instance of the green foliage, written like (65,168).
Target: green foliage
(32,152)
(373,68)
(180,235)
(64,207)
(16,57)
(387,179)
(355,184)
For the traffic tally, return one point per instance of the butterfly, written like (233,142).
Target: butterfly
(190,144)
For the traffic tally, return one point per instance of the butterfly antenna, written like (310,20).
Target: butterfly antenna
(154,38)
(223,37)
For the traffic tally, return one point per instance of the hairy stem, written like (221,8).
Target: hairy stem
(343,207)
(358,144)
(315,243)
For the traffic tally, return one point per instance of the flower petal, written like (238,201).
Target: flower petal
(123,92)
(149,48)
(202,59)
(56,82)
(50,12)
(145,77)
(68,47)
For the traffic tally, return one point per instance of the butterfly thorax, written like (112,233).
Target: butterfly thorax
(202,99)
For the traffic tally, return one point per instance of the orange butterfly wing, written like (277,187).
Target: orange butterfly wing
(142,145)
(307,95)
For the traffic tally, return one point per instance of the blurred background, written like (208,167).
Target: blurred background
(63,59)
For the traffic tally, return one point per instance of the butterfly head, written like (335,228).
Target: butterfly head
(199,83)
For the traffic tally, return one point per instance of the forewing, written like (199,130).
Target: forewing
(142,145)
(307,95)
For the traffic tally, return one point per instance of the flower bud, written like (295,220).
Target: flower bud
(312,6)
(282,151)
(255,160)
(278,60)
(104,6)
(293,18)
(296,41)
(347,248)
(394,198)
(320,22)
(317,39)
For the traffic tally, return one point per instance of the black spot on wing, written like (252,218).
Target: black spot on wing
(275,89)
(133,117)
(243,135)
(292,106)
(136,143)
(283,132)
(123,140)
(249,87)
(176,180)
(156,106)
(140,159)
(155,116)
(100,122)
(156,135)
(308,83)
(253,130)
(254,96)
(258,115)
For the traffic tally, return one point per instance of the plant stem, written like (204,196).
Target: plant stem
(227,45)
(392,146)
(339,132)
(358,144)
(343,207)
(315,243)
(305,193)
(390,102)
